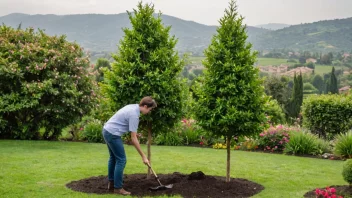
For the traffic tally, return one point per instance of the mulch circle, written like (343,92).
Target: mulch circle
(345,191)
(197,184)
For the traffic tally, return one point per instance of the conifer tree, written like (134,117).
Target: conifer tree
(147,64)
(230,100)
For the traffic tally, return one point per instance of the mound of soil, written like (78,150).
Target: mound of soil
(345,191)
(197,184)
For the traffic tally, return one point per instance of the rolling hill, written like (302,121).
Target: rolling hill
(98,32)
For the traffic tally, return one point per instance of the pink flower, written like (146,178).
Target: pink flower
(332,190)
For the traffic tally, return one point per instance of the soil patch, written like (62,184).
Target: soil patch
(197,184)
(345,191)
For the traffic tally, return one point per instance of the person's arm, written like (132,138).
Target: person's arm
(136,144)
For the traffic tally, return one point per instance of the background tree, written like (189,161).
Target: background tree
(100,66)
(318,83)
(293,107)
(277,88)
(332,88)
(231,100)
(147,65)
(45,83)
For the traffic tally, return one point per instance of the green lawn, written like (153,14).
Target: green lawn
(41,169)
(272,61)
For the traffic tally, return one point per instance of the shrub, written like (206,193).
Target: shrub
(274,112)
(347,171)
(343,145)
(325,114)
(44,83)
(305,143)
(93,131)
(189,131)
(169,139)
(274,139)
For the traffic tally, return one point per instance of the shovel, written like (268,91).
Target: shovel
(161,187)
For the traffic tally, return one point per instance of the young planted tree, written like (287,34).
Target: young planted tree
(44,84)
(231,100)
(147,65)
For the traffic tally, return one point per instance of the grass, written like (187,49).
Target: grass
(272,61)
(41,169)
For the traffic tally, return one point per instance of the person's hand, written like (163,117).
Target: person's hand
(145,160)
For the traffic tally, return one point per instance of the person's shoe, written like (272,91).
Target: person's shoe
(111,185)
(121,191)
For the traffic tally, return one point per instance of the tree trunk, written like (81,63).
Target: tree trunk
(228,146)
(149,152)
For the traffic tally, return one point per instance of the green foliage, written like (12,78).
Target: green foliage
(147,65)
(318,83)
(169,139)
(332,83)
(190,132)
(305,143)
(293,107)
(343,145)
(44,83)
(347,171)
(230,101)
(324,114)
(101,65)
(277,88)
(93,131)
(274,112)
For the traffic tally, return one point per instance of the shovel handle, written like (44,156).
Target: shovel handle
(157,178)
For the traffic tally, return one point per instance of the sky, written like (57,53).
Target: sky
(255,12)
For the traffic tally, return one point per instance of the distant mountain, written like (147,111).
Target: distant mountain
(273,26)
(98,32)
(329,35)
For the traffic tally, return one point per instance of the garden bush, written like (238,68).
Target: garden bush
(44,84)
(343,145)
(347,171)
(93,131)
(190,132)
(274,112)
(306,143)
(274,139)
(169,139)
(324,114)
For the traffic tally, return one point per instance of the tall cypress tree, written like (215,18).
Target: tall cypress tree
(293,107)
(230,101)
(333,82)
(147,64)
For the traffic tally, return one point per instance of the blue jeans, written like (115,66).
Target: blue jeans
(117,160)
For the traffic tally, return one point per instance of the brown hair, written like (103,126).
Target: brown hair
(149,101)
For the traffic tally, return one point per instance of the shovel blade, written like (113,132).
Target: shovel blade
(161,187)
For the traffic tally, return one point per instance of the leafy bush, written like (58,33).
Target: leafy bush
(347,171)
(274,112)
(306,143)
(325,114)
(44,83)
(190,132)
(169,139)
(274,139)
(343,145)
(93,131)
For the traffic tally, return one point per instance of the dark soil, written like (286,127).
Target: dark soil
(197,184)
(345,191)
